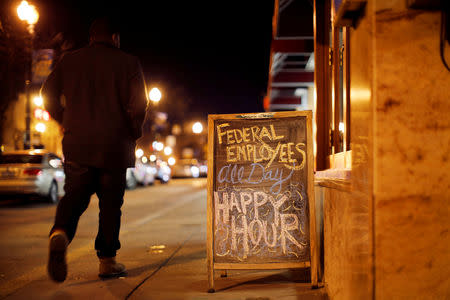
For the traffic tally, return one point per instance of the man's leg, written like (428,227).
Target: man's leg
(110,193)
(79,186)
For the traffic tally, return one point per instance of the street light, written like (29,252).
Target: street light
(28,13)
(197,127)
(40,127)
(167,150)
(38,101)
(139,153)
(155,95)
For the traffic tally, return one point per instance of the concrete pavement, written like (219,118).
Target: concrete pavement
(163,246)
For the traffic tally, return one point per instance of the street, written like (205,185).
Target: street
(163,247)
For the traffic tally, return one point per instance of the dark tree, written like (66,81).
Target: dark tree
(13,62)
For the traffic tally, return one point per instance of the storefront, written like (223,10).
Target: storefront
(382,146)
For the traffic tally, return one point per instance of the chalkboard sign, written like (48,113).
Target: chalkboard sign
(260,192)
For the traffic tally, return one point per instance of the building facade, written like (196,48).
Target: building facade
(382,90)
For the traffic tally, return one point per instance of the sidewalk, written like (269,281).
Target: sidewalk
(185,277)
(163,248)
(179,276)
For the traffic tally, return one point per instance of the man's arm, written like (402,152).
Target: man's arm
(51,92)
(137,106)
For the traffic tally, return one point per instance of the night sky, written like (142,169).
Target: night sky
(215,54)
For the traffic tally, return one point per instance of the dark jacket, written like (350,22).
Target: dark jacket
(98,95)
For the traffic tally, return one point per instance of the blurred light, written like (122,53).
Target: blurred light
(161,117)
(171,161)
(341,126)
(41,114)
(152,157)
(155,95)
(152,170)
(195,171)
(197,127)
(149,170)
(167,150)
(40,127)
(301,92)
(171,141)
(360,95)
(55,163)
(27,13)
(32,172)
(38,113)
(159,146)
(38,101)
(45,115)
(176,129)
(144,159)
(139,153)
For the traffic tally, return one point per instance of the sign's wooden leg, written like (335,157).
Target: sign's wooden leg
(314,281)
(210,277)
(314,267)
(223,274)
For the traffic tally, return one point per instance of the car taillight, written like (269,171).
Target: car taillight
(32,172)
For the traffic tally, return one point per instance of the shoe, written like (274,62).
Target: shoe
(109,268)
(57,266)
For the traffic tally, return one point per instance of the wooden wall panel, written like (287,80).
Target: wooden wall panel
(348,257)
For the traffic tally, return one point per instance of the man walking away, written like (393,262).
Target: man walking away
(98,95)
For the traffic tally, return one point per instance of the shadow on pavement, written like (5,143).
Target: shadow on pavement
(61,295)
(287,276)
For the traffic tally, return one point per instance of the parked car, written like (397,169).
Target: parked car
(143,174)
(186,168)
(32,172)
(163,171)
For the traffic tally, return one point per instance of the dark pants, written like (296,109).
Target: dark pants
(81,183)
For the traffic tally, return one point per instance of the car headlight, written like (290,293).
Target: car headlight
(195,171)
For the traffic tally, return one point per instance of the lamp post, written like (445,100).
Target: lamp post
(29,14)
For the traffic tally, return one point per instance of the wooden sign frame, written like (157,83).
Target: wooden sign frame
(211,265)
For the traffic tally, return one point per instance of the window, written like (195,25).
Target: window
(332,88)
(340,125)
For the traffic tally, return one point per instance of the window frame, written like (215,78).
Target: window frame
(333,149)
(340,154)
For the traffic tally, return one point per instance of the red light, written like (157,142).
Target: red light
(41,114)
(32,172)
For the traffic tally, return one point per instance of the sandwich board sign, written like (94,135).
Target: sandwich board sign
(260,208)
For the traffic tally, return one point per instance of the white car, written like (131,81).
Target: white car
(143,174)
(32,172)
(163,171)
